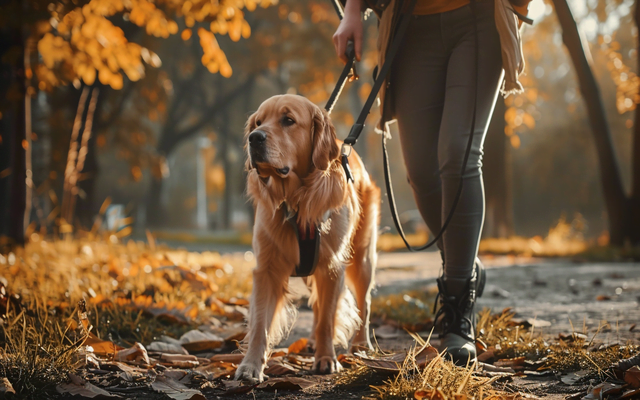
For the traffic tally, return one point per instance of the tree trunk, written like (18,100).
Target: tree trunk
(227,208)
(12,129)
(635,161)
(614,195)
(154,210)
(497,177)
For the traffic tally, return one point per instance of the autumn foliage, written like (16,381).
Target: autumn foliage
(89,42)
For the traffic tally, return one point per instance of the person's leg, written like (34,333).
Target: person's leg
(417,88)
(462,236)
(467,84)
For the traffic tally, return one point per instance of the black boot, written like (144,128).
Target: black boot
(456,314)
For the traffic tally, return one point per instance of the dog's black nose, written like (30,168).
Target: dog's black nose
(257,138)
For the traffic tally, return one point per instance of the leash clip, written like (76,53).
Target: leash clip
(344,158)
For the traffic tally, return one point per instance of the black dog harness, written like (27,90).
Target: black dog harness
(308,246)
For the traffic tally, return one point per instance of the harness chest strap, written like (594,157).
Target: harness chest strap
(308,245)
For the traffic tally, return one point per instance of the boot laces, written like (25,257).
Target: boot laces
(451,314)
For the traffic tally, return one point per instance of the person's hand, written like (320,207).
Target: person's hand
(350,29)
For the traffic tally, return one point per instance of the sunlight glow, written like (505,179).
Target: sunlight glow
(537,9)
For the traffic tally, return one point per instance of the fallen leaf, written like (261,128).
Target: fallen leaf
(635,393)
(175,389)
(603,297)
(494,368)
(164,347)
(231,358)
(180,360)
(298,346)
(234,388)
(632,327)
(487,355)
(6,387)
(632,377)
(627,363)
(217,370)
(197,341)
(287,383)
(102,347)
(387,332)
(431,394)
(135,353)
(603,390)
(510,362)
(85,391)
(573,378)
(279,369)
(393,363)
(538,323)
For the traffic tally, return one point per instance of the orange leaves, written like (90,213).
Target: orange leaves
(84,43)
(213,58)
(626,81)
(53,49)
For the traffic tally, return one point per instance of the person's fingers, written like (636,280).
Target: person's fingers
(358,44)
(342,46)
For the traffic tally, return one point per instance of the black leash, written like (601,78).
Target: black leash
(358,126)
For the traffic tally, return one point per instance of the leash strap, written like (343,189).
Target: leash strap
(403,25)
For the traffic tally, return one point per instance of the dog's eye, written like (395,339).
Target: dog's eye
(286,121)
(258,123)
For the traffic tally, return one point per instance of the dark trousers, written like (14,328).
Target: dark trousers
(432,84)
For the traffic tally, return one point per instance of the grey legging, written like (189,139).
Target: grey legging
(432,84)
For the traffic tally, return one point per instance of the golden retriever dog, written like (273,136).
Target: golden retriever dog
(293,163)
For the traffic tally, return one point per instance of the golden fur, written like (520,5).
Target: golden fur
(296,168)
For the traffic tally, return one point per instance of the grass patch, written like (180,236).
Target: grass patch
(575,351)
(38,351)
(131,292)
(412,310)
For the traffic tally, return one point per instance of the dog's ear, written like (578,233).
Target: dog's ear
(325,148)
(249,126)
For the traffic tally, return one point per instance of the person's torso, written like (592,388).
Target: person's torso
(426,7)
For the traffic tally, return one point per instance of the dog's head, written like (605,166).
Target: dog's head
(289,134)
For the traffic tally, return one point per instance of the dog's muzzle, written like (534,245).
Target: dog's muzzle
(257,146)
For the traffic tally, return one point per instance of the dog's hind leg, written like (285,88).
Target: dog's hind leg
(361,268)
(269,320)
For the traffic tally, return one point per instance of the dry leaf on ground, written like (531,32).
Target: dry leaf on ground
(180,360)
(86,391)
(394,362)
(6,387)
(175,389)
(230,358)
(298,346)
(135,353)
(102,347)
(236,388)
(197,341)
(632,377)
(287,383)
(164,347)
(280,369)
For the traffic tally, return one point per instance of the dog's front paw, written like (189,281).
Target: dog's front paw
(250,372)
(327,365)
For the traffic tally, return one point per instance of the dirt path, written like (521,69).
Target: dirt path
(556,296)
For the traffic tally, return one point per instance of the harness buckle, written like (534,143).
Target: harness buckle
(344,159)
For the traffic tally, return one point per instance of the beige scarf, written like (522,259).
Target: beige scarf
(507,24)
